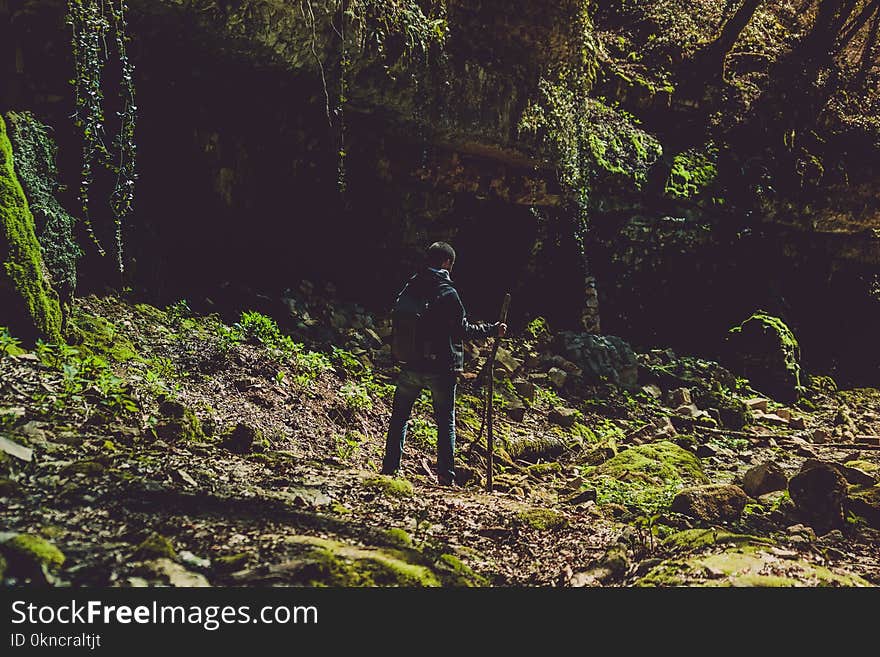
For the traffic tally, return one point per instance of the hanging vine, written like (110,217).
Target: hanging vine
(363,26)
(98,28)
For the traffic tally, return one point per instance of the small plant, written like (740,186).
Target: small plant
(347,446)
(423,432)
(178,311)
(348,363)
(9,345)
(355,397)
(538,329)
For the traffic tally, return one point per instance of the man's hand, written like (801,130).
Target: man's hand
(502,330)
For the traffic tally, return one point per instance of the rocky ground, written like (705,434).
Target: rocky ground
(167,447)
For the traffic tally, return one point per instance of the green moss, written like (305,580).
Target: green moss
(2,567)
(693,539)
(554,467)
(179,423)
(864,466)
(88,468)
(645,477)
(31,307)
(744,566)
(152,313)
(542,519)
(99,336)
(454,572)
(692,172)
(27,553)
(399,537)
(770,354)
(331,563)
(155,546)
(231,562)
(390,486)
(339,509)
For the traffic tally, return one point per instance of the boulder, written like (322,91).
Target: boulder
(711,503)
(564,417)
(507,361)
(865,502)
(243,438)
(557,377)
(525,389)
(764,350)
(515,410)
(679,397)
(764,478)
(601,358)
(818,492)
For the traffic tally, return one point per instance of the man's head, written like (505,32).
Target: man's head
(441,256)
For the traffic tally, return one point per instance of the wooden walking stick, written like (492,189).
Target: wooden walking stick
(490,402)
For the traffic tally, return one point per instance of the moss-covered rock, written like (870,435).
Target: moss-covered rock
(27,554)
(864,501)
(710,503)
(2,567)
(230,562)
(178,422)
(30,306)
(645,476)
(390,486)
(542,519)
(155,546)
(97,335)
(399,537)
(764,349)
(690,540)
(244,438)
(454,572)
(332,563)
(745,565)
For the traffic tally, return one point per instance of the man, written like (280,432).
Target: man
(443,327)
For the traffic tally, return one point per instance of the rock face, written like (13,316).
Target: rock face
(764,478)
(764,350)
(601,358)
(819,491)
(30,305)
(711,503)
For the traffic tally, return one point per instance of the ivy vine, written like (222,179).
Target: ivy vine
(35,153)
(98,29)
(364,26)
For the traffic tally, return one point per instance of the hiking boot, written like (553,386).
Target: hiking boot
(447,483)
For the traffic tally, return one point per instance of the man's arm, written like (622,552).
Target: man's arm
(462,328)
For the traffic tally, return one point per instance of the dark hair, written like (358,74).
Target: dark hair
(440,252)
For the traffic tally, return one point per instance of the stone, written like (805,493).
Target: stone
(600,358)
(653,391)
(710,503)
(801,530)
(525,389)
(507,361)
(680,397)
(764,350)
(16,450)
(772,418)
(818,492)
(852,474)
(28,554)
(798,422)
(242,439)
(819,436)
(664,426)
(515,410)
(757,404)
(784,413)
(687,410)
(374,337)
(866,503)
(564,417)
(764,478)
(557,377)
(175,574)
(705,451)
(588,495)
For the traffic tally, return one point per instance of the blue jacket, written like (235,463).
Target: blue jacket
(445,322)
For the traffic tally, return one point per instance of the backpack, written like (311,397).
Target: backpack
(408,336)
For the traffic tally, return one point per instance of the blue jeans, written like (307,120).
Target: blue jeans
(409,387)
